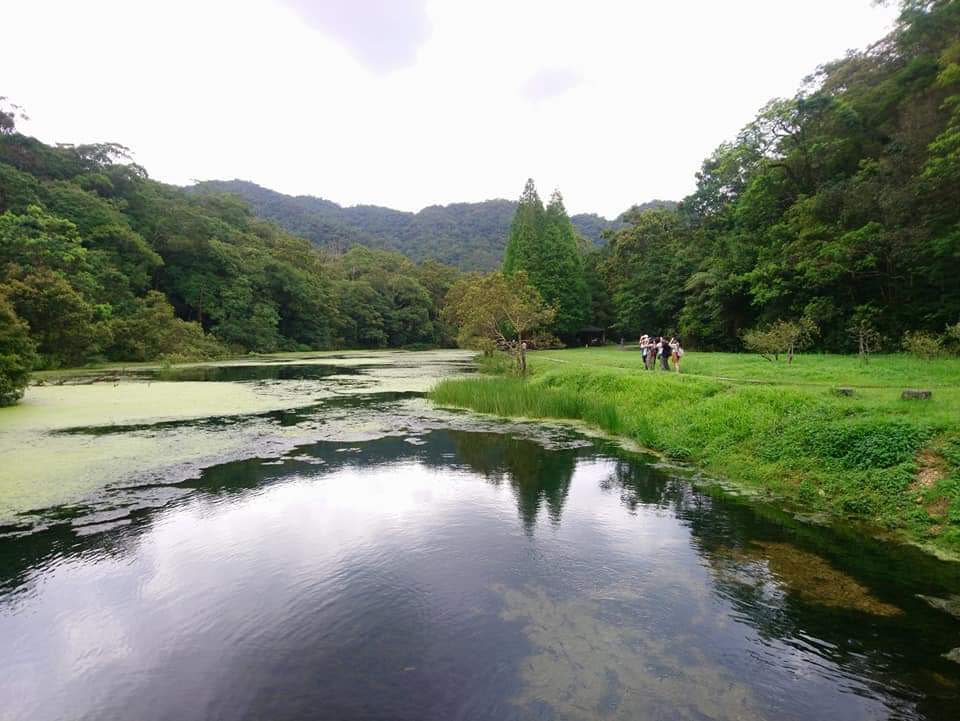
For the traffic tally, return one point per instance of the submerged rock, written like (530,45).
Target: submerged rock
(808,577)
(815,519)
(950,605)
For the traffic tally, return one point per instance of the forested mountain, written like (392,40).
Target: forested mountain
(840,205)
(469,236)
(99,262)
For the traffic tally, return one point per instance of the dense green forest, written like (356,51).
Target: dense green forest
(840,205)
(469,236)
(99,262)
(838,208)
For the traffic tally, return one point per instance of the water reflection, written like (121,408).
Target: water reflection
(537,478)
(455,574)
(261,370)
(642,484)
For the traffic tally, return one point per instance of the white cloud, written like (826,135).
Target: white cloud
(550,82)
(337,100)
(383,34)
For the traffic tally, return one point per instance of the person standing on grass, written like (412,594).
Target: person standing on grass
(676,352)
(645,350)
(664,354)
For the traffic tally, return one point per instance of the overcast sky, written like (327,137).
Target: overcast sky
(408,103)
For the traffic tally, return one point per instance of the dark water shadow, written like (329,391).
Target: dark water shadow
(232,373)
(282,417)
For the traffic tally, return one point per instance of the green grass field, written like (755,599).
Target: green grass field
(897,370)
(779,429)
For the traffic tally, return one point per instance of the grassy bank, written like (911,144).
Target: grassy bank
(779,429)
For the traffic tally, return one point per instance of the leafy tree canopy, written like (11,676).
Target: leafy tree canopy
(498,310)
(840,205)
(99,262)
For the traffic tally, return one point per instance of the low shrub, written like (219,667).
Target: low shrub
(861,444)
(922,344)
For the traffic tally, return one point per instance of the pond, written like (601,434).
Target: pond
(363,555)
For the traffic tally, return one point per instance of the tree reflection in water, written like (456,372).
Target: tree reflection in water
(536,475)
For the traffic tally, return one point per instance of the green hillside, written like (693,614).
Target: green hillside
(469,236)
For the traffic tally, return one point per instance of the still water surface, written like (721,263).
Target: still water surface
(463,569)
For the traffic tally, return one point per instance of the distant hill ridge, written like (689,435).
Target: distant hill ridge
(470,236)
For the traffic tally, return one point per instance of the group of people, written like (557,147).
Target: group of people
(660,349)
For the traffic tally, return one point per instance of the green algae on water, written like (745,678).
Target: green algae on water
(65,441)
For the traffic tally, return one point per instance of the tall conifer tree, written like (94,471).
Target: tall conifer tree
(543,244)
(564,281)
(525,232)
